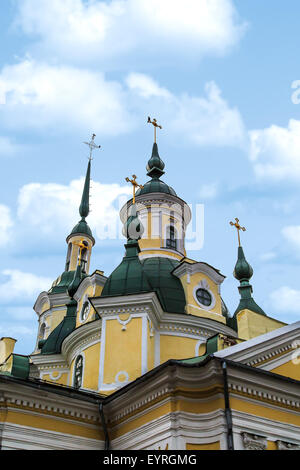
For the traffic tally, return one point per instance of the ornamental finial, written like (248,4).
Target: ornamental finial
(155,124)
(134,184)
(238,227)
(92,146)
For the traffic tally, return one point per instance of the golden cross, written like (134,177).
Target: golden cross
(135,185)
(154,123)
(238,227)
(83,245)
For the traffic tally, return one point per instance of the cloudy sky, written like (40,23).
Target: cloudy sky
(222,78)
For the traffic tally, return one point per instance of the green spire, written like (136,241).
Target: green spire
(84,208)
(155,166)
(243,273)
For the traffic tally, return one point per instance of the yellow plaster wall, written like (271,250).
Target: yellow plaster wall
(123,349)
(56,318)
(251,324)
(216,312)
(91,367)
(176,347)
(46,306)
(63,380)
(54,423)
(210,446)
(75,252)
(271,445)
(88,292)
(289,369)
(279,414)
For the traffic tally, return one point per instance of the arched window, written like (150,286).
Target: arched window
(68,256)
(171,241)
(78,370)
(42,331)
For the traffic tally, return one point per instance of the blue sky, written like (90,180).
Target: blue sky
(217,74)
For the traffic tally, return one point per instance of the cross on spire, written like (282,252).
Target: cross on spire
(154,123)
(92,146)
(134,184)
(238,227)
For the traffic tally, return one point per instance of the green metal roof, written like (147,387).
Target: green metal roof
(133,276)
(65,281)
(156,186)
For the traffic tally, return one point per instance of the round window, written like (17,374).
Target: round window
(204,297)
(85,310)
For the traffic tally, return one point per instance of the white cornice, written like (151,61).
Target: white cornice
(80,339)
(264,347)
(42,298)
(158,198)
(148,303)
(204,268)
(51,361)
(94,279)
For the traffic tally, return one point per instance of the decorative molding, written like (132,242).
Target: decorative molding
(80,339)
(254,442)
(281,445)
(203,268)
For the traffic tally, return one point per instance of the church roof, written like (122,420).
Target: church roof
(133,276)
(155,169)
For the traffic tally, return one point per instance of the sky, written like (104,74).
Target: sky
(222,78)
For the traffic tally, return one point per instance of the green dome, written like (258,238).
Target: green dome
(63,282)
(82,228)
(156,186)
(133,276)
(242,271)
(167,286)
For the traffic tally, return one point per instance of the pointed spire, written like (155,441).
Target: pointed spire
(84,208)
(82,227)
(243,272)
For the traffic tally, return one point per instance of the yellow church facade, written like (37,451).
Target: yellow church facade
(149,357)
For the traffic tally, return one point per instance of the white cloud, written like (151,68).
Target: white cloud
(15,331)
(53,208)
(268,256)
(292,234)
(275,152)
(81,30)
(6,223)
(208,191)
(207,120)
(286,300)
(62,98)
(22,286)
(40,95)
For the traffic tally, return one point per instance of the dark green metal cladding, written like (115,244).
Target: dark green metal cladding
(54,341)
(155,166)
(67,278)
(156,186)
(84,208)
(167,286)
(155,169)
(133,228)
(151,275)
(82,228)
(20,366)
(243,272)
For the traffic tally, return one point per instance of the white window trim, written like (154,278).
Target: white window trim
(203,284)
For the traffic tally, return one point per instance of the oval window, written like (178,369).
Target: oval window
(85,310)
(204,297)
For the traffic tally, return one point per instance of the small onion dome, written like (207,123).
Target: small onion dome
(155,166)
(133,228)
(243,270)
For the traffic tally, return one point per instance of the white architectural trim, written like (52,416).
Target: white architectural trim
(203,284)
(203,268)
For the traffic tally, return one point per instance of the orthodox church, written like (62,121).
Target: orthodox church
(149,357)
